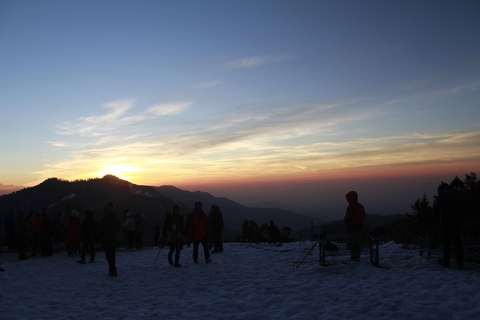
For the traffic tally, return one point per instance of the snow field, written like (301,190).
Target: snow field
(246,281)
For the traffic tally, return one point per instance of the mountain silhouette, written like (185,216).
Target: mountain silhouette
(152,202)
(8,189)
(234,213)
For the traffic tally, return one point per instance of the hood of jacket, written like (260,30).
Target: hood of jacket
(352,197)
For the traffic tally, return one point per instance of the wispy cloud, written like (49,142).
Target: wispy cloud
(293,140)
(254,61)
(416,84)
(205,85)
(164,110)
(117,118)
(422,91)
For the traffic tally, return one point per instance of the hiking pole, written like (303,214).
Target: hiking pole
(158,253)
(305,256)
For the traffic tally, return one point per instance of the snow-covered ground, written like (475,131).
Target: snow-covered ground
(246,281)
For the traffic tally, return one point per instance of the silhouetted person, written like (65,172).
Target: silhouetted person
(107,229)
(74,234)
(129,227)
(89,232)
(174,234)
(34,231)
(66,215)
(245,231)
(274,232)
(449,203)
(58,235)
(199,228)
(10,220)
(253,231)
(139,231)
(21,231)
(215,219)
(46,233)
(354,221)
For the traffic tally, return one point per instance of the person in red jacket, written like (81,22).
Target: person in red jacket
(198,229)
(354,221)
(74,234)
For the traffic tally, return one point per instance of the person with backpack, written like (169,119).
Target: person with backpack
(353,219)
(199,228)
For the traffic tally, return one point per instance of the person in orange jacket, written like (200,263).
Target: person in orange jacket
(198,229)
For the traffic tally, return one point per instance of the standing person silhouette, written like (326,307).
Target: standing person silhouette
(199,228)
(174,234)
(449,203)
(216,223)
(89,230)
(354,218)
(107,229)
(21,231)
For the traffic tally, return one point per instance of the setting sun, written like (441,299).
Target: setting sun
(121,171)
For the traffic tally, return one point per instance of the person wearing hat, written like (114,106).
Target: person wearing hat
(107,229)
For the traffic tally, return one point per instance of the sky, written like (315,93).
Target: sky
(247,99)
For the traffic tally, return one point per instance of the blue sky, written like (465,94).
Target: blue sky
(207,92)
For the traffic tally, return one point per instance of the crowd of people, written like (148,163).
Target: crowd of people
(79,237)
(265,233)
(199,229)
(37,230)
(133,228)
